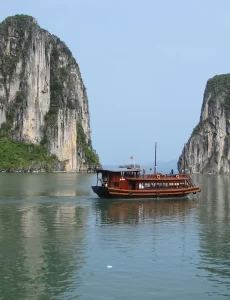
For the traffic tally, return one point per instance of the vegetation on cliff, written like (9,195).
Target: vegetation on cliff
(90,156)
(209,144)
(8,62)
(21,156)
(62,96)
(24,157)
(220,84)
(199,127)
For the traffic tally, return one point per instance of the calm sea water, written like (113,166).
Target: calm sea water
(57,240)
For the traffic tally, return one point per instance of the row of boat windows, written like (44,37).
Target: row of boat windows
(147,185)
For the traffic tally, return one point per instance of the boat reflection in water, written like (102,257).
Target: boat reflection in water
(142,211)
(214,235)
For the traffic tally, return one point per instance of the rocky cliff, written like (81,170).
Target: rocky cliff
(43,100)
(208,148)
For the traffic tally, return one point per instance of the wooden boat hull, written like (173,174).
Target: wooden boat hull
(104,192)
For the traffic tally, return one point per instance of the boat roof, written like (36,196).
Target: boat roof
(146,176)
(119,170)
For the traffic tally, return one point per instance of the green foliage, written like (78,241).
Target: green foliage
(226,146)
(227,103)
(19,156)
(63,73)
(199,127)
(56,88)
(6,128)
(44,140)
(60,83)
(66,50)
(8,62)
(20,101)
(219,83)
(22,22)
(58,77)
(8,65)
(91,156)
(19,18)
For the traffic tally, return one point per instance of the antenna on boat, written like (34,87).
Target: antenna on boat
(155,165)
(184,157)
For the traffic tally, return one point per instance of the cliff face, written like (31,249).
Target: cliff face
(208,148)
(43,100)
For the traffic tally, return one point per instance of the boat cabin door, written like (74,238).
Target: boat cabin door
(123,183)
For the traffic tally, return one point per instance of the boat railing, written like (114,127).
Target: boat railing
(159,176)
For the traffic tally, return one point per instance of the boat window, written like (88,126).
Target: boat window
(141,185)
(157,185)
(165,184)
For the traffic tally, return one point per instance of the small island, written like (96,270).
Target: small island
(208,148)
(44,109)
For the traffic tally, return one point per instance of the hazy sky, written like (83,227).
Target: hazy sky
(145,65)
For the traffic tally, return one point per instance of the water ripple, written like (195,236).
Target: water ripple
(57,239)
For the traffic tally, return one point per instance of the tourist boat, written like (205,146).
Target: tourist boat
(135,183)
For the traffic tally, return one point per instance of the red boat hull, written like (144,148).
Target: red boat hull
(104,192)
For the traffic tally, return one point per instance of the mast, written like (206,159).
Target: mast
(155,165)
(184,158)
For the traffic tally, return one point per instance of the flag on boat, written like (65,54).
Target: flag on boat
(131,157)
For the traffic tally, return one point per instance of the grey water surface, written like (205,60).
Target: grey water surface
(57,240)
